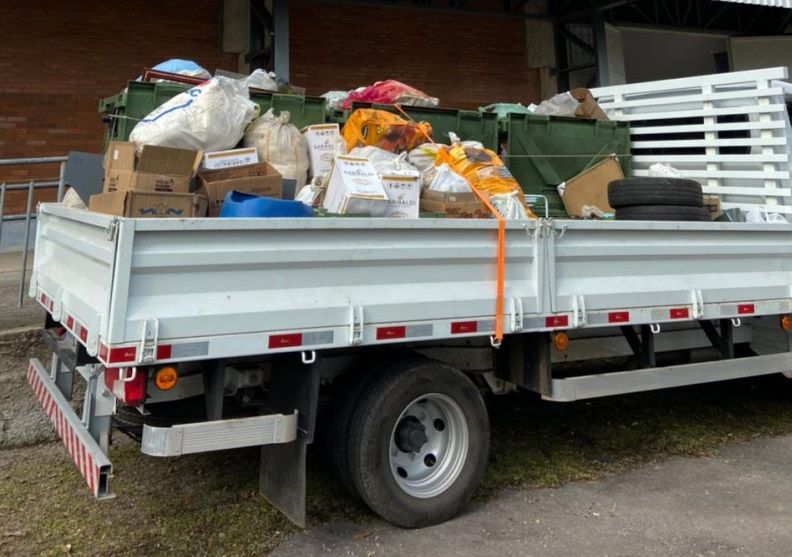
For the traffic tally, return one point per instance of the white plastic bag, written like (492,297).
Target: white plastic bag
(281,144)
(211,116)
(312,194)
(398,166)
(260,79)
(469,143)
(423,157)
(662,170)
(563,104)
(760,215)
(334,100)
(509,206)
(72,200)
(378,158)
(446,180)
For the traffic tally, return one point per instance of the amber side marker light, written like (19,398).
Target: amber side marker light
(786,323)
(166,378)
(560,341)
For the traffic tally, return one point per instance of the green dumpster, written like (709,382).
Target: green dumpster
(544,151)
(125,109)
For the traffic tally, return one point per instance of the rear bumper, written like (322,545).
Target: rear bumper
(91,461)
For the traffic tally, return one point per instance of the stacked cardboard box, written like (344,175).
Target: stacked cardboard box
(155,184)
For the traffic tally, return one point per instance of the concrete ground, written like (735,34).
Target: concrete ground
(12,317)
(737,503)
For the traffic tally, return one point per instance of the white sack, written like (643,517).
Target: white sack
(281,144)
(447,181)
(211,116)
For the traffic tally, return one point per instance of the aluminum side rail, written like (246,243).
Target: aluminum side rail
(145,291)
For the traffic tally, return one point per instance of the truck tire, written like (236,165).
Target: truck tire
(341,410)
(632,192)
(662,212)
(418,443)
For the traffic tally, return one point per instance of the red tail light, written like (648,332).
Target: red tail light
(127,384)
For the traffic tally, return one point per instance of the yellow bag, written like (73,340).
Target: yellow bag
(368,126)
(483,170)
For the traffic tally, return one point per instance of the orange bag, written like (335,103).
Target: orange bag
(368,126)
(483,169)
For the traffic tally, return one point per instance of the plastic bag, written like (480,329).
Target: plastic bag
(72,200)
(397,166)
(181,67)
(469,143)
(211,116)
(504,109)
(423,157)
(367,126)
(334,100)
(761,215)
(445,180)
(313,194)
(483,170)
(510,206)
(390,91)
(662,170)
(563,104)
(375,155)
(260,79)
(281,144)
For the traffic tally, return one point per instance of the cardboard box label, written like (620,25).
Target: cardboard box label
(229,159)
(324,143)
(403,193)
(355,188)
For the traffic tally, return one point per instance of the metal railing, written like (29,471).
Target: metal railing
(29,215)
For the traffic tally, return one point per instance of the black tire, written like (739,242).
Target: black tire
(632,192)
(412,384)
(663,212)
(347,394)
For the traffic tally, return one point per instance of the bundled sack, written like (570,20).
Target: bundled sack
(281,144)
(368,126)
(483,170)
(211,116)
(390,91)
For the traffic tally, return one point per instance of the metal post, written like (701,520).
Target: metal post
(27,243)
(2,203)
(601,46)
(61,181)
(280,9)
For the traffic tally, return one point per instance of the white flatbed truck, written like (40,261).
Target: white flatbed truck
(390,324)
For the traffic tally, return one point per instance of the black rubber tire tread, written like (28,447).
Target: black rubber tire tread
(632,192)
(663,213)
(340,411)
(369,442)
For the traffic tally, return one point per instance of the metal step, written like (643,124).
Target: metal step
(219,435)
(622,382)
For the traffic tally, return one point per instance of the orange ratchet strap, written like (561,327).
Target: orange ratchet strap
(501,256)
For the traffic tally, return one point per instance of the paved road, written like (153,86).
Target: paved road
(738,503)
(12,317)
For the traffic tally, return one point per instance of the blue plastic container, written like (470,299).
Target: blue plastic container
(246,206)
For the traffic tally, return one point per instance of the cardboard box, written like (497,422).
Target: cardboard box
(258,179)
(158,169)
(354,188)
(147,204)
(588,107)
(323,144)
(217,160)
(454,205)
(590,187)
(403,193)
(712,205)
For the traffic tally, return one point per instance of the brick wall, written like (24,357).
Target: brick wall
(59,58)
(466,61)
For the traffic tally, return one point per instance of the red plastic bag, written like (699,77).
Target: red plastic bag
(390,92)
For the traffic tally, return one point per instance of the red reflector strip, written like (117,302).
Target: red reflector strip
(387,333)
(285,341)
(70,322)
(557,321)
(679,313)
(744,309)
(47,302)
(83,333)
(118,355)
(164,352)
(618,317)
(461,327)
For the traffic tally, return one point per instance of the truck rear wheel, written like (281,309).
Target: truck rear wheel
(418,443)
